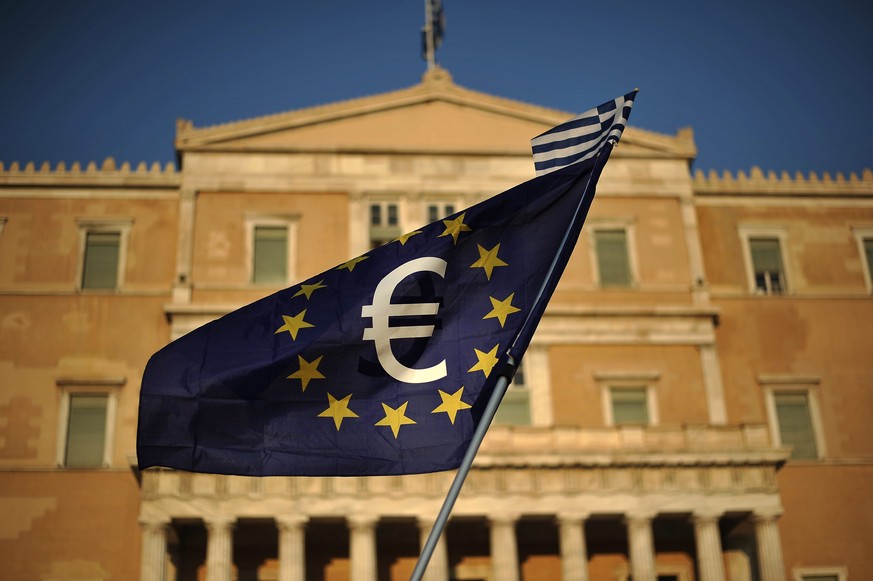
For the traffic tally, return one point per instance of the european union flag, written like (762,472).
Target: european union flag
(381,365)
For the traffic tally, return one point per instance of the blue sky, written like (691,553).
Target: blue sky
(778,84)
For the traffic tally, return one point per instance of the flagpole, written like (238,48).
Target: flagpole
(503,380)
(428,33)
(478,435)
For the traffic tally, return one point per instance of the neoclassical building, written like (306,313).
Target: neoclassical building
(696,403)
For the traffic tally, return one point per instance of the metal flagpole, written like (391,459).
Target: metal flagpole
(500,388)
(428,33)
(464,469)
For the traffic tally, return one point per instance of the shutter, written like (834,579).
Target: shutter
(86,430)
(612,257)
(271,255)
(629,406)
(100,270)
(795,425)
(766,256)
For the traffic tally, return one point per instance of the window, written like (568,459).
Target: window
(87,421)
(103,250)
(270,262)
(86,431)
(793,413)
(795,424)
(767,266)
(613,261)
(515,407)
(629,397)
(271,248)
(766,270)
(820,574)
(384,223)
(629,406)
(438,211)
(864,238)
(100,270)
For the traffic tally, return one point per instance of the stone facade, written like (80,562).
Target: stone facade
(713,349)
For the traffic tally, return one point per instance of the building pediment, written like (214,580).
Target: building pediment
(434,116)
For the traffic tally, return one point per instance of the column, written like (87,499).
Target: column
(438,567)
(641,546)
(710,560)
(219,548)
(772,567)
(292,547)
(153,561)
(574,555)
(504,549)
(363,547)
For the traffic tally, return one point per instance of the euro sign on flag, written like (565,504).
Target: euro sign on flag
(382,364)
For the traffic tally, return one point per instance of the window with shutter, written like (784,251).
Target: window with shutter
(767,265)
(629,406)
(86,430)
(270,261)
(613,263)
(795,424)
(100,267)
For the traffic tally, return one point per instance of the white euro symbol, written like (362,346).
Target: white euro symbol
(381,333)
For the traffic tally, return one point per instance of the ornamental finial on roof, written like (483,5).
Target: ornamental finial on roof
(436,76)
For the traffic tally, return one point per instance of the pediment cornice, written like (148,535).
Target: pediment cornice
(436,86)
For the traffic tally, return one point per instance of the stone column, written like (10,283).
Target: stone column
(574,555)
(710,560)
(153,561)
(363,547)
(292,547)
(769,546)
(504,550)
(641,546)
(438,567)
(219,548)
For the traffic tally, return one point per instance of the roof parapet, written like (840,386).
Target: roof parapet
(756,181)
(108,166)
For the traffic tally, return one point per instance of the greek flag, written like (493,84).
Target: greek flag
(582,137)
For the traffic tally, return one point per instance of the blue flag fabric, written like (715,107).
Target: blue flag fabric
(381,365)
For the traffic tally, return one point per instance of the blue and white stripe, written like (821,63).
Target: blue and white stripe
(582,137)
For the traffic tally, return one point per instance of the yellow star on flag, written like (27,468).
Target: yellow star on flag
(407,236)
(294,324)
(307,372)
(451,404)
(395,418)
(338,409)
(488,260)
(501,309)
(486,362)
(350,265)
(308,289)
(455,227)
